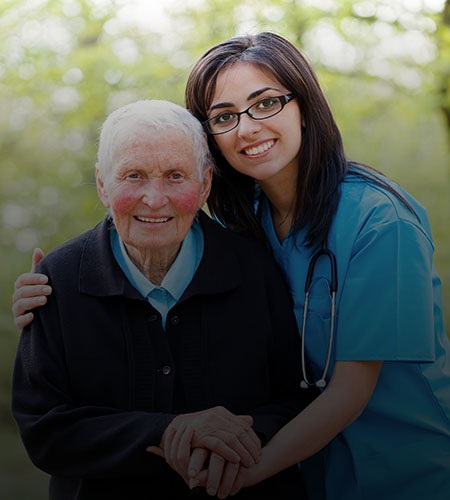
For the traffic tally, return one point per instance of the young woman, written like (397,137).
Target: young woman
(357,253)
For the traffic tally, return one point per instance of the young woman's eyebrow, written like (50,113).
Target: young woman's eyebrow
(254,94)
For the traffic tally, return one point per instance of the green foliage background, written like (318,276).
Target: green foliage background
(64,65)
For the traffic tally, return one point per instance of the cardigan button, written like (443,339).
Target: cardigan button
(175,320)
(153,317)
(166,370)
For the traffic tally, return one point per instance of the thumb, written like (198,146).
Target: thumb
(38,254)
(156,450)
(246,419)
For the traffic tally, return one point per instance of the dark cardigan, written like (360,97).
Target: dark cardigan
(96,378)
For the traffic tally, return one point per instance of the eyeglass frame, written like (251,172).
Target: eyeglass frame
(284,99)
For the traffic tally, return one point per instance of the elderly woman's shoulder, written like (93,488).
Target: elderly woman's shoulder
(69,252)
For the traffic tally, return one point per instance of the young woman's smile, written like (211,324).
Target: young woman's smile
(264,149)
(260,149)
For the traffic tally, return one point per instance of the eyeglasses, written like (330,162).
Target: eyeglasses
(265,108)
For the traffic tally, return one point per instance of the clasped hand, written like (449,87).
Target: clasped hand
(211,448)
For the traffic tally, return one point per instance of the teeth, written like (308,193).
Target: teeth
(151,219)
(260,149)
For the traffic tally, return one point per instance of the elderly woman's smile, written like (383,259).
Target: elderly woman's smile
(153,189)
(152,220)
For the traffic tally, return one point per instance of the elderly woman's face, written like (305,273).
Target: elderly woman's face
(153,189)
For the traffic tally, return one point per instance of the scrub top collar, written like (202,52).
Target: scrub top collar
(291,239)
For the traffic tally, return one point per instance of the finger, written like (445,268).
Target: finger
(229,476)
(240,426)
(168,435)
(197,461)
(251,443)
(28,291)
(220,447)
(38,254)
(22,321)
(30,279)
(245,455)
(172,457)
(215,470)
(181,450)
(240,444)
(200,480)
(239,481)
(20,311)
(246,419)
(252,436)
(156,450)
(22,306)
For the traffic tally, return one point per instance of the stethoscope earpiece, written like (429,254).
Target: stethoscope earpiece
(321,383)
(303,385)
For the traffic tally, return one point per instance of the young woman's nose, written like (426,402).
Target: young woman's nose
(154,194)
(248,126)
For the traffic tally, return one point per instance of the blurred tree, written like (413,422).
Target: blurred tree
(442,63)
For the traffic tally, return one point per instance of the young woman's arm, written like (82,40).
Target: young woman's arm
(349,390)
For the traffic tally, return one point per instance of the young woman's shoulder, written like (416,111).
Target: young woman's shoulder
(375,200)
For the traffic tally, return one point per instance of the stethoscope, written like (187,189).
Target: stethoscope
(332,287)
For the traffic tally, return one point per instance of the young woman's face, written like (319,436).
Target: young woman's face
(263,149)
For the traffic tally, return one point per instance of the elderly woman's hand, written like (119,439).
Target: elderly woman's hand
(234,445)
(215,429)
(30,290)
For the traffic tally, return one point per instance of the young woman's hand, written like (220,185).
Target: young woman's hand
(217,475)
(30,291)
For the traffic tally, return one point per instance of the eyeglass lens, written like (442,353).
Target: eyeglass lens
(265,108)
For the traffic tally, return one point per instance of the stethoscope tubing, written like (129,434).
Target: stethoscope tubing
(321,382)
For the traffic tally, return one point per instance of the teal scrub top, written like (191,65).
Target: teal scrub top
(389,308)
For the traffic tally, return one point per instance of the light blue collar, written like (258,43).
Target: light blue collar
(177,278)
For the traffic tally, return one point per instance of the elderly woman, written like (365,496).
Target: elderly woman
(158,313)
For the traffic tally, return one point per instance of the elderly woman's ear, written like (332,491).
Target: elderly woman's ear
(102,192)
(206,187)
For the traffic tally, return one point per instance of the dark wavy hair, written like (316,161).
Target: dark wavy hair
(322,162)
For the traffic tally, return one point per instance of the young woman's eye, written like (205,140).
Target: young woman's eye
(223,118)
(267,103)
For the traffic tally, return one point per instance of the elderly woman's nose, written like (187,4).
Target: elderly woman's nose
(154,195)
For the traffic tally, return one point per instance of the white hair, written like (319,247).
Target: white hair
(121,124)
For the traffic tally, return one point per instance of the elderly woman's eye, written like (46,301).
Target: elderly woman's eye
(133,175)
(176,176)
